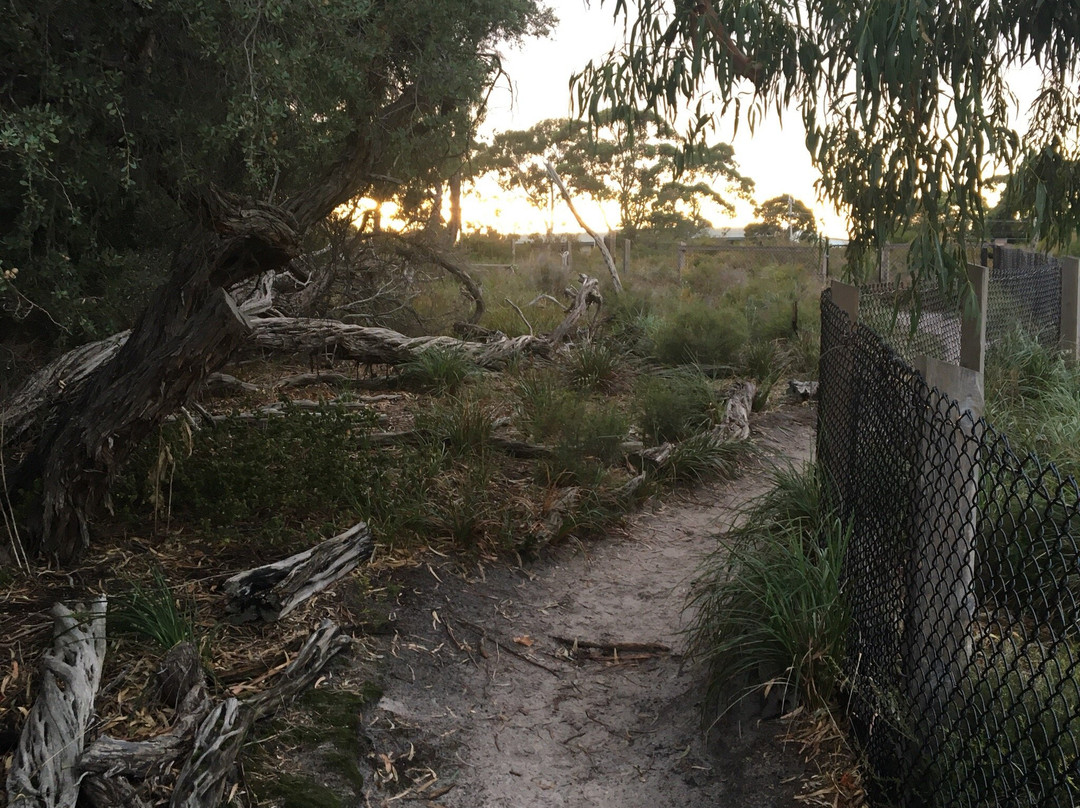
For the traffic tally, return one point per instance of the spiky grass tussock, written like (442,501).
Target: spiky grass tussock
(439,370)
(767,602)
(153,612)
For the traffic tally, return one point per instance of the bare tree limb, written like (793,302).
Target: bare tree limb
(597,239)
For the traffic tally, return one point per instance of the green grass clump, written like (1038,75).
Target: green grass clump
(674,405)
(699,333)
(439,370)
(1033,396)
(597,367)
(463,425)
(703,457)
(767,602)
(152,612)
(765,363)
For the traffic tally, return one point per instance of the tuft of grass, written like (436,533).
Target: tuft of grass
(439,370)
(596,366)
(703,457)
(674,405)
(768,602)
(766,363)
(153,612)
(1033,396)
(463,425)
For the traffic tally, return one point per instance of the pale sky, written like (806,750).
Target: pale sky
(539,72)
(774,156)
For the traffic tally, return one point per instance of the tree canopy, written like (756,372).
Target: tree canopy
(783,216)
(639,166)
(906,104)
(114,118)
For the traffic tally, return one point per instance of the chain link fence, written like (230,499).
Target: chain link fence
(962,575)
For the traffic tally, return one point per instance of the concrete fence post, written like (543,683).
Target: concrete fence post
(941,600)
(682,261)
(1070,306)
(973,322)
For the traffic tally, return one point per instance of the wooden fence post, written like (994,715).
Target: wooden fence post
(626,256)
(1070,306)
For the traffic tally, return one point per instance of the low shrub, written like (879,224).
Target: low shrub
(698,333)
(285,475)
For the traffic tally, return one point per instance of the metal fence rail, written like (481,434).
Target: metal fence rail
(963,579)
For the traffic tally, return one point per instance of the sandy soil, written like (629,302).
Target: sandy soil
(484,688)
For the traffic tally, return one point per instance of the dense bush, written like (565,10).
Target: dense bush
(698,333)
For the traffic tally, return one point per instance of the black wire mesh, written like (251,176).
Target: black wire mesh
(1025,292)
(963,578)
(913,320)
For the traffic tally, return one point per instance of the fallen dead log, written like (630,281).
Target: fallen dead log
(124,774)
(220,737)
(43,772)
(202,780)
(136,760)
(736,422)
(322,645)
(273,590)
(612,651)
(379,346)
(222,384)
(586,295)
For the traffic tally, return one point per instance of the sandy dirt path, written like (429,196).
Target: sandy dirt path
(480,690)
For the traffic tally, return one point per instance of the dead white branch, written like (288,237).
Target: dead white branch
(273,590)
(43,772)
(597,239)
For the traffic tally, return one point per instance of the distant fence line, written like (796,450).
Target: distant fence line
(963,568)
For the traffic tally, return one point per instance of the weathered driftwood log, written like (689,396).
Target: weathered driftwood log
(588,294)
(736,422)
(137,760)
(379,346)
(43,772)
(222,734)
(123,774)
(307,666)
(273,590)
(222,384)
(202,779)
